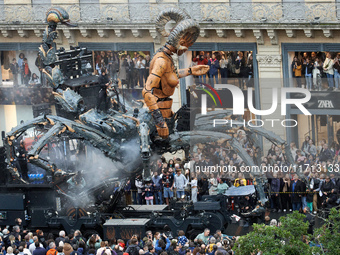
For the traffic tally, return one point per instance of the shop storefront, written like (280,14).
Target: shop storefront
(324,121)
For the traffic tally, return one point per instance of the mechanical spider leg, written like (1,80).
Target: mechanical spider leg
(144,131)
(99,140)
(257,146)
(14,134)
(109,146)
(33,154)
(277,140)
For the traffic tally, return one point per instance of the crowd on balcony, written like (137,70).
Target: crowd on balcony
(131,68)
(226,67)
(312,68)
(20,69)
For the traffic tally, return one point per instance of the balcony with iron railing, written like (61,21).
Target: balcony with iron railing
(234,13)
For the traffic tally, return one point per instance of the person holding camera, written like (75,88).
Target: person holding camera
(201,60)
(214,64)
(94,242)
(162,243)
(148,234)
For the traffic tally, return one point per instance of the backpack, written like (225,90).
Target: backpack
(133,250)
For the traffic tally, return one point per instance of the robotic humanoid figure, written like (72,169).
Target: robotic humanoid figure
(164,77)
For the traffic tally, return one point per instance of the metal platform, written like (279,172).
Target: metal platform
(126,222)
(145,208)
(125,228)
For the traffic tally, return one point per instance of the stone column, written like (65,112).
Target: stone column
(270,72)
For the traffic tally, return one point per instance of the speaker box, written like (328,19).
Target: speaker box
(38,219)
(41,198)
(12,201)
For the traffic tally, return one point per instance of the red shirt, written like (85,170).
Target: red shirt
(204,61)
(26,69)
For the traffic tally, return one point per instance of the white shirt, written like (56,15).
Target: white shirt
(136,62)
(139,185)
(141,64)
(27,251)
(329,63)
(180,182)
(32,247)
(223,63)
(194,183)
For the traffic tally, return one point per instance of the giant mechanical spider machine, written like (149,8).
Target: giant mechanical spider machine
(109,131)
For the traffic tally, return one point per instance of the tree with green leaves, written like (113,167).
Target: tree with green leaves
(328,236)
(289,238)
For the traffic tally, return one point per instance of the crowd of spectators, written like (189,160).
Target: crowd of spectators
(131,68)
(319,166)
(22,74)
(226,67)
(26,96)
(23,242)
(311,67)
